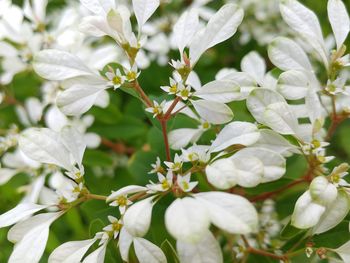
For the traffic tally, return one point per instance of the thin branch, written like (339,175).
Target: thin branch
(119,148)
(163,123)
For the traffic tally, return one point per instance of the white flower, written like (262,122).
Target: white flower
(116,78)
(337,86)
(157,109)
(176,165)
(114,227)
(122,202)
(163,185)
(184,182)
(184,92)
(132,74)
(156,167)
(174,87)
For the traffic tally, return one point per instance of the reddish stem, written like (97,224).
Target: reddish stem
(118,147)
(163,123)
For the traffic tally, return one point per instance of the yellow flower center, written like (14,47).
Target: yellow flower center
(116,226)
(173,88)
(117,80)
(185,93)
(122,200)
(206,125)
(185,186)
(165,184)
(131,75)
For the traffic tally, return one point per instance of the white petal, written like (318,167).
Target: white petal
(92,140)
(270,108)
(287,54)
(95,26)
(223,91)
(213,112)
(221,26)
(144,9)
(236,133)
(322,191)
(207,250)
(254,65)
(34,109)
(185,28)
(293,84)
(180,138)
(18,213)
(72,251)
(187,220)
(306,213)
(98,256)
(78,99)
(229,212)
(59,65)
(137,218)
(45,146)
(334,214)
(274,163)
(222,174)
(147,252)
(339,19)
(125,241)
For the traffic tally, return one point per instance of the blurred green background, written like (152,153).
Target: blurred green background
(124,121)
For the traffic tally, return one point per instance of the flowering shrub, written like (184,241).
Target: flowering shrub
(120,143)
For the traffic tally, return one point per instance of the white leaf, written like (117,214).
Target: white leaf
(137,218)
(306,212)
(96,26)
(223,91)
(98,7)
(31,247)
(275,142)
(185,28)
(44,145)
(72,251)
(125,241)
(221,26)
(235,133)
(222,174)
(130,189)
(254,64)
(187,220)
(293,84)
(270,108)
(304,22)
(98,256)
(334,214)
(249,170)
(18,213)
(6,174)
(274,164)
(144,9)
(30,237)
(78,99)
(180,138)
(207,250)
(287,54)
(59,65)
(229,212)
(73,140)
(300,18)
(339,19)
(213,112)
(22,228)
(147,252)
(344,252)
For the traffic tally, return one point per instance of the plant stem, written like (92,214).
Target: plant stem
(172,106)
(96,197)
(163,123)
(143,95)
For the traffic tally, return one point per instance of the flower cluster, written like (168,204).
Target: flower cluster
(208,188)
